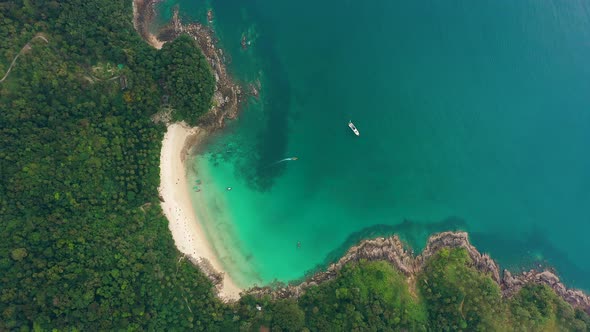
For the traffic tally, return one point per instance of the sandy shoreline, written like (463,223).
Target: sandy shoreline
(186,229)
(141,9)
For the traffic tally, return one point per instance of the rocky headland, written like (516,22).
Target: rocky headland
(227,98)
(228,94)
(392,250)
(226,102)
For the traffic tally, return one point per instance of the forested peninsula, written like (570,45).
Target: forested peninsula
(87,247)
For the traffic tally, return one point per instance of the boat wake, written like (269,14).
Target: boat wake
(283,160)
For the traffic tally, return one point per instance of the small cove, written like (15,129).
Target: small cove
(473,116)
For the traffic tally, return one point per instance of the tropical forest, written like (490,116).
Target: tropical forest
(85,245)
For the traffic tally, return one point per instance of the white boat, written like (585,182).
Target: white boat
(353,128)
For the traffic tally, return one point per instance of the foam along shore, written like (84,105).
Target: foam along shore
(186,229)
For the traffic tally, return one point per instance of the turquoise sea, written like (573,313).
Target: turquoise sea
(474,115)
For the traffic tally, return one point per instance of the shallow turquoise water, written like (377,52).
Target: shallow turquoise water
(474,115)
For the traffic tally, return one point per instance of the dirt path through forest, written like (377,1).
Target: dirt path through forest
(22,50)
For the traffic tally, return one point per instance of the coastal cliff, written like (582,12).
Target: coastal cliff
(392,250)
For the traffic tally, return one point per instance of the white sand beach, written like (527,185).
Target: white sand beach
(186,229)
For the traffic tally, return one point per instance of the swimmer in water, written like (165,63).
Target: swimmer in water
(228,188)
(298,244)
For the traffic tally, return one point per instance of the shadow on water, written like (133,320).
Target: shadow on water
(531,251)
(412,233)
(271,142)
(250,158)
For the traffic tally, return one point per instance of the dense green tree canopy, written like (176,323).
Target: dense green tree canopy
(366,296)
(187,79)
(85,245)
(458,297)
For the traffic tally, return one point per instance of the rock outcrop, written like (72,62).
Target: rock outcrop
(228,94)
(227,97)
(480,261)
(392,250)
(512,284)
